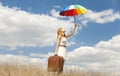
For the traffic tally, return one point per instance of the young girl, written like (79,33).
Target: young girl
(61,42)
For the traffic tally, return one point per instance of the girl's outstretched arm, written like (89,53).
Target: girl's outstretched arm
(72,31)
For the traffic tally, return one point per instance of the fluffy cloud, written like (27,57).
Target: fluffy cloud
(8,58)
(20,28)
(104,55)
(100,17)
(54,13)
(113,44)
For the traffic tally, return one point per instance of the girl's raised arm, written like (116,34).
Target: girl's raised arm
(72,31)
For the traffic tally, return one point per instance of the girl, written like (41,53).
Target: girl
(61,42)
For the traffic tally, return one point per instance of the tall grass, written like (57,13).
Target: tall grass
(32,70)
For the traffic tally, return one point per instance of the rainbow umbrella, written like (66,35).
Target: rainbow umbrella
(73,10)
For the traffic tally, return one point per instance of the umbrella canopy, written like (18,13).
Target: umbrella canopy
(73,10)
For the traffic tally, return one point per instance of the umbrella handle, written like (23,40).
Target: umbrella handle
(74,20)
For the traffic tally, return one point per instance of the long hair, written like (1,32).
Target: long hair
(59,32)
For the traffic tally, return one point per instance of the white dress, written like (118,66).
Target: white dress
(62,49)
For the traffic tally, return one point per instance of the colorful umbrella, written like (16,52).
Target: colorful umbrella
(73,10)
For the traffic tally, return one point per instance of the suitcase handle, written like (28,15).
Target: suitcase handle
(56,55)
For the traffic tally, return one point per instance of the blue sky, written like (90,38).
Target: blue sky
(28,30)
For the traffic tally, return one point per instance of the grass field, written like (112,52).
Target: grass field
(32,70)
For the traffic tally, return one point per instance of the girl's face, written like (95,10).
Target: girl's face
(63,33)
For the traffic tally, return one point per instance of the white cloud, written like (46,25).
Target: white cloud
(113,44)
(38,55)
(8,58)
(104,55)
(54,13)
(20,28)
(102,17)
(32,59)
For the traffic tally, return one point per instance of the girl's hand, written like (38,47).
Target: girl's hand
(55,54)
(75,25)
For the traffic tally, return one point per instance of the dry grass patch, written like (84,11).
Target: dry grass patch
(32,70)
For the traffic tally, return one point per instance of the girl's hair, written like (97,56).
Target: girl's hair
(59,32)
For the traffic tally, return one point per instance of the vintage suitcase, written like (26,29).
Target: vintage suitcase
(55,63)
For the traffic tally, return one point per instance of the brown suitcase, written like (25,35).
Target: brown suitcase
(55,63)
